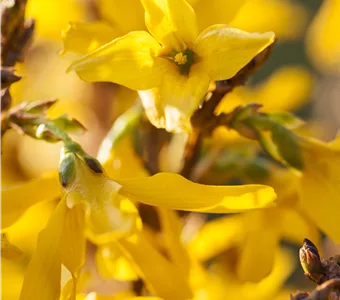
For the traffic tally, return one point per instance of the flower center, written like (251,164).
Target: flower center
(183,60)
(180,58)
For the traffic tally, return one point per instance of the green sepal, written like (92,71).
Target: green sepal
(287,145)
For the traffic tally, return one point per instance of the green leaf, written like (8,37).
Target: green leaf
(287,119)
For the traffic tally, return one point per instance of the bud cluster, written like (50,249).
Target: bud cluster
(69,155)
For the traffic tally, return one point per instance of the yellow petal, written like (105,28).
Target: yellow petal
(172,104)
(129,60)
(286,18)
(12,276)
(216,11)
(24,233)
(162,277)
(69,287)
(172,230)
(123,162)
(49,25)
(124,16)
(323,46)
(72,245)
(320,185)
(42,278)
(295,227)
(171,22)
(266,289)
(258,253)
(224,50)
(17,199)
(283,266)
(9,250)
(217,236)
(83,38)
(173,191)
(111,263)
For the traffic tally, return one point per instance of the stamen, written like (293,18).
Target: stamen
(180,59)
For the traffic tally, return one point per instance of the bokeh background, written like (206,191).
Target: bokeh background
(302,75)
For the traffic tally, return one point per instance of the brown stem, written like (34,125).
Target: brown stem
(191,152)
(204,120)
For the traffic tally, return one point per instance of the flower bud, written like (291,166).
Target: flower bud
(93,163)
(310,261)
(245,130)
(67,167)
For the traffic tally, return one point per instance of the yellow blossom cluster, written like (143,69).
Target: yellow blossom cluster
(203,187)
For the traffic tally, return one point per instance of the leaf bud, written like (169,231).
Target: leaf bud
(310,261)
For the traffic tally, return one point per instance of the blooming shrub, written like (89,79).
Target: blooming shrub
(178,177)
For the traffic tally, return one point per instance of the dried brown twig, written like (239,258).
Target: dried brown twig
(204,121)
(16,36)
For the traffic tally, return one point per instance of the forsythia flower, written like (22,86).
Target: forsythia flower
(100,210)
(173,67)
(223,273)
(256,255)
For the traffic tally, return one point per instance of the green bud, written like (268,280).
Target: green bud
(67,167)
(245,130)
(44,133)
(287,145)
(93,163)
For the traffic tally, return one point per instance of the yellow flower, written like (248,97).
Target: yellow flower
(320,184)
(173,67)
(283,17)
(286,221)
(99,209)
(222,283)
(323,43)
